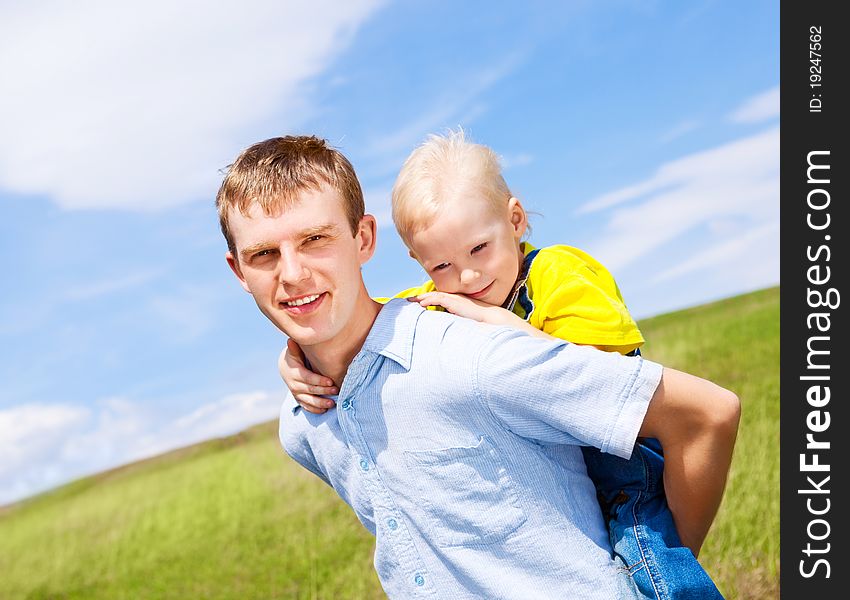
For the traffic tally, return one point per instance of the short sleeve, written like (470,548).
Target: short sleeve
(576,299)
(553,392)
(294,443)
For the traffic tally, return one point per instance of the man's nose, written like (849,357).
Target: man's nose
(292,267)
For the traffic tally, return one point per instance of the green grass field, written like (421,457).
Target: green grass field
(236,519)
(735,343)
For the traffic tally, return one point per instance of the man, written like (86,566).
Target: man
(456,443)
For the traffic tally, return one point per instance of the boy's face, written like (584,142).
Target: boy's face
(302,266)
(470,249)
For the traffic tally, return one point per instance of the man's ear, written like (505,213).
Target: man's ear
(517,217)
(233,263)
(367,233)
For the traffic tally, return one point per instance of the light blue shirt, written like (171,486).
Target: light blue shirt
(456,444)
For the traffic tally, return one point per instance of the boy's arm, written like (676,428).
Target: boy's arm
(307,387)
(486,313)
(476,310)
(696,422)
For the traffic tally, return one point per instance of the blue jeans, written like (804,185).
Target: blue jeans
(640,524)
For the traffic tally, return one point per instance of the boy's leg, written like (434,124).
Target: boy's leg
(640,524)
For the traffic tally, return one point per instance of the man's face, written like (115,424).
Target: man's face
(302,266)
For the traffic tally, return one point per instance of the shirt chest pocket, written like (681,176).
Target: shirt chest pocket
(466,493)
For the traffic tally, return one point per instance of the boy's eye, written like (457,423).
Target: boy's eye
(478,247)
(441,267)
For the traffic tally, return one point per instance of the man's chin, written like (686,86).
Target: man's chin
(304,337)
(299,333)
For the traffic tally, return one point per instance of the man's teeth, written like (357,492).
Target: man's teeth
(304,300)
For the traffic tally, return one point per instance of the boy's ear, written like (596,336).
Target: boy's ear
(517,216)
(412,255)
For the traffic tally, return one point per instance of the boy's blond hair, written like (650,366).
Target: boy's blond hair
(272,173)
(441,167)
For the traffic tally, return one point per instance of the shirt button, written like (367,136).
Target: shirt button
(346,404)
(420,581)
(364,464)
(392,524)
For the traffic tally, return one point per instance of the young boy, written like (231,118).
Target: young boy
(461,222)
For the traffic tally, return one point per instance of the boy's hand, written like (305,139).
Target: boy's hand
(462,306)
(306,386)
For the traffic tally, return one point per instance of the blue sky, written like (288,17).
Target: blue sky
(646,133)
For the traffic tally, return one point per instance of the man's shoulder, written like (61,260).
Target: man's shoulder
(440,334)
(443,351)
(402,312)
(291,423)
(296,423)
(448,327)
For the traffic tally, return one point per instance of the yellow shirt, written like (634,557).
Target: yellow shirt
(569,295)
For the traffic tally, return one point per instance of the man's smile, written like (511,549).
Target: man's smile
(303,304)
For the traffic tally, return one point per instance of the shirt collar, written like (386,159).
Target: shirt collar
(393,330)
(529,253)
(527,248)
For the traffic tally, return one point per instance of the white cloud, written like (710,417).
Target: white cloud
(30,431)
(759,108)
(108,438)
(226,416)
(138,104)
(738,181)
(187,311)
(458,106)
(455,107)
(730,252)
(31,436)
(96,289)
(516,160)
(755,155)
(44,445)
(679,130)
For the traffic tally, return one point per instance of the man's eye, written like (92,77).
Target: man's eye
(314,238)
(261,253)
(478,247)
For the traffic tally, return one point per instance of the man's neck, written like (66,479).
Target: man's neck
(331,358)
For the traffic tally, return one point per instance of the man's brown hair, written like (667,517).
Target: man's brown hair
(272,173)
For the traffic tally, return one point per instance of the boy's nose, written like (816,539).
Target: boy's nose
(468,276)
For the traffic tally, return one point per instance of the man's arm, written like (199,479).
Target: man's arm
(566,394)
(294,440)
(696,422)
